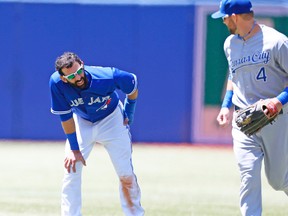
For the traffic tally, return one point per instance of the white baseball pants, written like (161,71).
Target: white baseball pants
(115,137)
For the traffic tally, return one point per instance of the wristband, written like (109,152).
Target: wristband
(73,141)
(283,96)
(129,109)
(227,102)
(130,101)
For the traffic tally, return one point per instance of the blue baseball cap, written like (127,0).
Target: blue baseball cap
(229,7)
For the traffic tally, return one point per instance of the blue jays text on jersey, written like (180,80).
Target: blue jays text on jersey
(98,100)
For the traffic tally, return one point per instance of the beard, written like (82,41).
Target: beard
(232,28)
(83,85)
(232,31)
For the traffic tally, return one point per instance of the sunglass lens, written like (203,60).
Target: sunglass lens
(70,77)
(80,71)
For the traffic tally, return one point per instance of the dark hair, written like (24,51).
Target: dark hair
(66,60)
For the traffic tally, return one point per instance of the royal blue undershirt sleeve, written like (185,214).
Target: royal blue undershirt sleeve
(283,96)
(73,141)
(227,101)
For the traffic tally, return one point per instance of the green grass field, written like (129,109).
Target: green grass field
(175,181)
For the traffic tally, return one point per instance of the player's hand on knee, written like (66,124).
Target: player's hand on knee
(72,158)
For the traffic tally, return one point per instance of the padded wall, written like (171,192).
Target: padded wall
(154,42)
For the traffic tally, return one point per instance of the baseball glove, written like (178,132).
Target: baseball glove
(256,116)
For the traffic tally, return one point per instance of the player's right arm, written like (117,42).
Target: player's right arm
(75,154)
(61,107)
(223,117)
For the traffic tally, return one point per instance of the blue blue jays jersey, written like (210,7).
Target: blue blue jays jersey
(98,100)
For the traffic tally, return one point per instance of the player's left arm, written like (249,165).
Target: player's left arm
(129,107)
(281,57)
(128,84)
(223,117)
(280,100)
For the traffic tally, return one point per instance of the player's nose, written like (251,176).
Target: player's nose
(78,77)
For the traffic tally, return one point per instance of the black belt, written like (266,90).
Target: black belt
(238,108)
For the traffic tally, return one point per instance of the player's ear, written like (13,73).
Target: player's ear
(63,79)
(235,17)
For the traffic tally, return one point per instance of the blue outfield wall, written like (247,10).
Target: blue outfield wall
(154,42)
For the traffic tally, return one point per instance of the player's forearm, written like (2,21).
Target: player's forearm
(283,96)
(70,131)
(130,105)
(281,99)
(229,85)
(68,126)
(227,101)
(133,96)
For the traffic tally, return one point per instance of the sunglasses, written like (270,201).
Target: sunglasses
(73,75)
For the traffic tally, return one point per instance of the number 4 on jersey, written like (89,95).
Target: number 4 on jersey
(261,74)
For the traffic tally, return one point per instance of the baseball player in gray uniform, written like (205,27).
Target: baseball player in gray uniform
(257,56)
(87,102)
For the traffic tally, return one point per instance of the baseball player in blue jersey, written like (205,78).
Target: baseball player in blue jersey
(257,56)
(86,100)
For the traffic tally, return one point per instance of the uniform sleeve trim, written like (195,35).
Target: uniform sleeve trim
(60,112)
